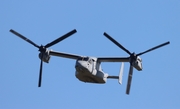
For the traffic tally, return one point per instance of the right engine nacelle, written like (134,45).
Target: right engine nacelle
(46,57)
(138,63)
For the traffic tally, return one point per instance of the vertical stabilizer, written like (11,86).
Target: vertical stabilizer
(121,73)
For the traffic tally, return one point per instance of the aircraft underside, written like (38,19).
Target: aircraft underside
(86,76)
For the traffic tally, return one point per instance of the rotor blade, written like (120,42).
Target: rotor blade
(40,73)
(129,79)
(115,42)
(61,38)
(154,48)
(24,38)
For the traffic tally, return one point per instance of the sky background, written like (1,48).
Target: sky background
(138,25)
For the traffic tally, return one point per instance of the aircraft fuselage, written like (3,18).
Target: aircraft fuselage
(89,70)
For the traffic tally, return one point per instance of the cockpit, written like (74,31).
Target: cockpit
(87,59)
(83,58)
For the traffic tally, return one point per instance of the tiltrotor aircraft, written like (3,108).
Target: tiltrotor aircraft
(88,69)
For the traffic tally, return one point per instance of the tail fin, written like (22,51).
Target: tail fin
(121,73)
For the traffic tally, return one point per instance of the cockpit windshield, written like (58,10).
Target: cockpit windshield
(83,58)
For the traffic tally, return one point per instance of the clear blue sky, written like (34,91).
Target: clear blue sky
(138,25)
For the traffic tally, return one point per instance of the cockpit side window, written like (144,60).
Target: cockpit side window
(80,58)
(86,59)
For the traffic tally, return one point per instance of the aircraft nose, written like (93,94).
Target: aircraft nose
(81,64)
(81,67)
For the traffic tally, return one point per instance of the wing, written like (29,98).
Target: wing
(64,55)
(113,59)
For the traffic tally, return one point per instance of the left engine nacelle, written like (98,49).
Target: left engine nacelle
(46,57)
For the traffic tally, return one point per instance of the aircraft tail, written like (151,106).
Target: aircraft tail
(120,74)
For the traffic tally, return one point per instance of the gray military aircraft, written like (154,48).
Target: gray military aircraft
(88,69)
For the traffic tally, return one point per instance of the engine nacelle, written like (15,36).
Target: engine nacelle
(138,63)
(46,57)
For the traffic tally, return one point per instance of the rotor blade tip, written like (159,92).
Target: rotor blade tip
(75,30)
(11,30)
(104,33)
